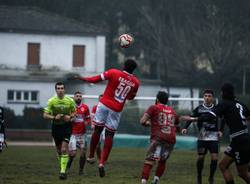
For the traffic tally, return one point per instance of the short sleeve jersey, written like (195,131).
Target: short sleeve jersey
(64,106)
(121,86)
(163,120)
(82,116)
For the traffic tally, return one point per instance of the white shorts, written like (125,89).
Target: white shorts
(1,137)
(104,116)
(77,139)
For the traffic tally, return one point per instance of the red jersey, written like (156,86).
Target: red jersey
(163,122)
(121,86)
(94,109)
(82,116)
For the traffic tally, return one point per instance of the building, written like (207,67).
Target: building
(39,48)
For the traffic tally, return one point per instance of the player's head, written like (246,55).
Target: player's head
(162,97)
(60,89)
(208,96)
(130,65)
(227,91)
(100,96)
(78,97)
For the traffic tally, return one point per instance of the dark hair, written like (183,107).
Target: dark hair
(101,95)
(208,91)
(77,92)
(162,97)
(227,90)
(130,65)
(59,84)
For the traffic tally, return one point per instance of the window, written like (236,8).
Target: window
(33,54)
(22,96)
(78,55)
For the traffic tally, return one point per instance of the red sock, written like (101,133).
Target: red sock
(106,149)
(160,169)
(93,143)
(146,171)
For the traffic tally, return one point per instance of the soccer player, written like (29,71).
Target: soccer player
(102,137)
(81,119)
(163,121)
(235,114)
(2,130)
(60,110)
(122,85)
(208,139)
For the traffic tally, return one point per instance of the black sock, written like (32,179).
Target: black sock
(230,182)
(213,166)
(199,165)
(70,162)
(82,162)
(248,167)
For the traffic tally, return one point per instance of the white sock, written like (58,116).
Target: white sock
(143,181)
(156,178)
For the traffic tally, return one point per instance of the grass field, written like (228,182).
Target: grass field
(38,165)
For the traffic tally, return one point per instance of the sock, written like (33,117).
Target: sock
(248,167)
(59,160)
(213,166)
(106,149)
(160,169)
(98,151)
(82,162)
(64,161)
(230,182)
(199,165)
(146,171)
(70,162)
(94,141)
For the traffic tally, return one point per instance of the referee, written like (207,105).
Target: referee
(60,110)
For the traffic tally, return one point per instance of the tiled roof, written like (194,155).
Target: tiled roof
(35,20)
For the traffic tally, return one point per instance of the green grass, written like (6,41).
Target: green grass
(38,165)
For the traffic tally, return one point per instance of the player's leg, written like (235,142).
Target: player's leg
(99,122)
(214,149)
(147,166)
(65,133)
(243,172)
(83,149)
(201,152)
(111,126)
(151,156)
(98,150)
(72,150)
(165,152)
(224,165)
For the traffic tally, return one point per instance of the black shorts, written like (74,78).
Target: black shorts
(203,146)
(61,133)
(239,149)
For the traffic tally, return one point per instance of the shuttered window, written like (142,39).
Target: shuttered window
(78,55)
(33,54)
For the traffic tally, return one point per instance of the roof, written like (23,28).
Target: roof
(22,19)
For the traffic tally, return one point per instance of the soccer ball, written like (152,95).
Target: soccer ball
(125,40)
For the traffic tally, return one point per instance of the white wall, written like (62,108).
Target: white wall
(46,90)
(56,50)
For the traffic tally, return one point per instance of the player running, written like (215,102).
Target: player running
(122,85)
(163,121)
(235,114)
(2,130)
(78,137)
(60,110)
(208,138)
(102,137)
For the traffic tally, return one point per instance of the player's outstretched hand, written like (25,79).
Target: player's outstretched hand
(220,134)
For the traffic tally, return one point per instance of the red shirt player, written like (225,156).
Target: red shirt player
(163,121)
(77,139)
(122,85)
